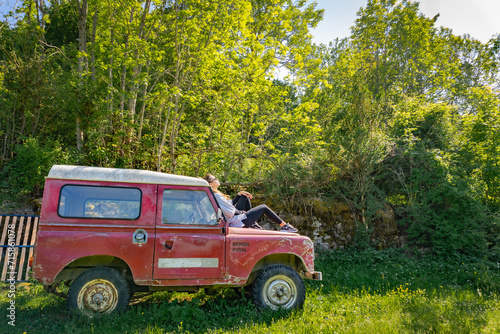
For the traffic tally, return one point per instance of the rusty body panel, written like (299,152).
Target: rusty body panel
(158,247)
(246,247)
(60,241)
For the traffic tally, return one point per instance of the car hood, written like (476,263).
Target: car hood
(253,231)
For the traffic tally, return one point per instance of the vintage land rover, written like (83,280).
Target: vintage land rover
(112,232)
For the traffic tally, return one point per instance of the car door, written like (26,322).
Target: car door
(190,240)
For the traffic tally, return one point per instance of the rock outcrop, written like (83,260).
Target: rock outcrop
(332,224)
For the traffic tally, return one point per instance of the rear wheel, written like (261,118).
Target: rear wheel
(279,286)
(100,290)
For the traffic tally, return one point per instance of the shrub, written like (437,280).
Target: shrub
(31,163)
(440,206)
(445,214)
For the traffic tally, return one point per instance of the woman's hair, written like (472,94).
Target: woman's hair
(210,178)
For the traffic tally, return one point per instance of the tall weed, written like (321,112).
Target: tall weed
(362,292)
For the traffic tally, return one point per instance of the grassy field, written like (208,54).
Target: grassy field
(362,292)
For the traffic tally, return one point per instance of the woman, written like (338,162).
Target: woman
(245,216)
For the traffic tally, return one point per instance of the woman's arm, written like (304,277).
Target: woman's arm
(245,193)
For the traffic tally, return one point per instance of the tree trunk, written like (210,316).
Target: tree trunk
(40,4)
(110,75)
(92,57)
(143,109)
(138,67)
(82,60)
(79,134)
(164,135)
(123,83)
(82,33)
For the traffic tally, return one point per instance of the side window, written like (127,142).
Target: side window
(187,207)
(77,201)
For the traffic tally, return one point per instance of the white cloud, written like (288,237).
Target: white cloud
(478,18)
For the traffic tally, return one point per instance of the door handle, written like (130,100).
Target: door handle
(168,244)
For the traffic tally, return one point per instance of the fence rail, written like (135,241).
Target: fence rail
(16,246)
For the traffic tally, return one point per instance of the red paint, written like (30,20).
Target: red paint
(236,251)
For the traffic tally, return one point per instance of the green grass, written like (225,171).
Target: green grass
(362,292)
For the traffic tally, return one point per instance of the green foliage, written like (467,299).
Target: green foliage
(480,142)
(430,125)
(400,112)
(375,291)
(374,270)
(62,28)
(402,107)
(442,209)
(355,142)
(392,40)
(26,173)
(446,213)
(156,82)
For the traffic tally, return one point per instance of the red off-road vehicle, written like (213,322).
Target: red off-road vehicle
(112,232)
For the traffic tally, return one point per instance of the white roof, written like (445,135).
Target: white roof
(121,175)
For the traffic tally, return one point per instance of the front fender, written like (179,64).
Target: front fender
(248,250)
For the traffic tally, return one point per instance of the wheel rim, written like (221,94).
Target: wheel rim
(97,296)
(280,291)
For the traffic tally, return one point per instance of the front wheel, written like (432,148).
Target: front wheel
(100,290)
(279,286)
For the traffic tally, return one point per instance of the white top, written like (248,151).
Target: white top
(228,208)
(67,172)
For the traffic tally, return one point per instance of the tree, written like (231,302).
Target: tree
(479,143)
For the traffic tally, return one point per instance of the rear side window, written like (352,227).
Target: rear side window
(187,207)
(99,202)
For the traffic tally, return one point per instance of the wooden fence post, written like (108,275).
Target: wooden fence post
(14,255)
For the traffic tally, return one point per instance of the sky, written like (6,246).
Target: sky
(478,18)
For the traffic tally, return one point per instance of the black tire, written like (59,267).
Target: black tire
(248,291)
(100,290)
(279,286)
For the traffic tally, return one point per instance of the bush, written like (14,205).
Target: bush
(439,204)
(445,214)
(25,173)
